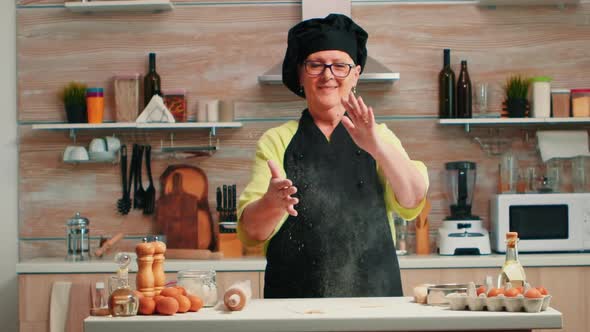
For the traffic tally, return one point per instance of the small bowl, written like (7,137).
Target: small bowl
(546,301)
(457,301)
(533,305)
(514,304)
(476,303)
(98,145)
(77,153)
(495,303)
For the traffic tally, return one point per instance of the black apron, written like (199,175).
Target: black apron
(340,243)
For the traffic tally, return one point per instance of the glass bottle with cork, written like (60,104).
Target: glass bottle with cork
(122,301)
(512,270)
(446,88)
(151,81)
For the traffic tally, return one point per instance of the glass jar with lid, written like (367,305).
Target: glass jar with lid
(200,283)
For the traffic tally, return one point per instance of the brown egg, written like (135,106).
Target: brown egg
(533,293)
(196,303)
(147,306)
(167,306)
(495,292)
(184,304)
(512,292)
(181,290)
(170,291)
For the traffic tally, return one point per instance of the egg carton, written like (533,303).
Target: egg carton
(458,301)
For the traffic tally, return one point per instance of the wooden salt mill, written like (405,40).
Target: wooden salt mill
(158,266)
(145,259)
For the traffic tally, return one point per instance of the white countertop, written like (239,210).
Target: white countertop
(59,265)
(331,314)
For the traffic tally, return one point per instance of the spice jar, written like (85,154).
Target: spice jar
(201,284)
(126,97)
(581,102)
(95,104)
(560,103)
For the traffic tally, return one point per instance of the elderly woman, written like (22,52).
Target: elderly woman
(323,188)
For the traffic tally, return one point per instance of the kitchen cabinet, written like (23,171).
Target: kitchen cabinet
(35,294)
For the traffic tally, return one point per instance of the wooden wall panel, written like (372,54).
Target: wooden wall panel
(218,51)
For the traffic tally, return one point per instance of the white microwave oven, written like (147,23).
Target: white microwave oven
(544,222)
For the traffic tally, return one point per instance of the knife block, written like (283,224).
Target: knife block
(229,244)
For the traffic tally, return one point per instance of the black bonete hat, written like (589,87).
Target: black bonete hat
(334,32)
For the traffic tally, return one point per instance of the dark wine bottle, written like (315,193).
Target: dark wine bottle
(446,89)
(464,93)
(151,82)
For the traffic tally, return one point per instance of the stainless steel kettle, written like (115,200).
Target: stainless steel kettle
(78,239)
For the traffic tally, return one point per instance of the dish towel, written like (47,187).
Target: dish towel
(562,144)
(58,308)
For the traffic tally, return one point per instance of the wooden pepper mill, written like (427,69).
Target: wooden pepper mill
(145,259)
(158,266)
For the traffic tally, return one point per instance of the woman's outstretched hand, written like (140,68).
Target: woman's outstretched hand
(278,194)
(360,123)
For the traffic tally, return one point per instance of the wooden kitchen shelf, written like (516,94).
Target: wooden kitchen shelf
(511,121)
(119,6)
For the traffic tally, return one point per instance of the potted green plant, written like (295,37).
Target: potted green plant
(74,98)
(517,89)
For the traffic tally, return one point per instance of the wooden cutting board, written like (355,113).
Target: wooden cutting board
(191,183)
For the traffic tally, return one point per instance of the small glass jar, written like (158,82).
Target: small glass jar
(201,284)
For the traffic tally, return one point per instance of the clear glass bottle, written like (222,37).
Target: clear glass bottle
(512,270)
(201,284)
(122,301)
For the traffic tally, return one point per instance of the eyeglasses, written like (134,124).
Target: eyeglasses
(339,70)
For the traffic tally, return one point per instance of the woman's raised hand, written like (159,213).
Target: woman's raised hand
(360,123)
(278,194)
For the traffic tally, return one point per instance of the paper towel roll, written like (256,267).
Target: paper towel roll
(562,144)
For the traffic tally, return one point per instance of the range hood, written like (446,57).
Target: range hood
(374,71)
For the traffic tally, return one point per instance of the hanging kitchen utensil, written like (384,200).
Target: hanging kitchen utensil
(124,203)
(150,192)
(132,178)
(139,196)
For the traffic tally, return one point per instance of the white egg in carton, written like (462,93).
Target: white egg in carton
(462,301)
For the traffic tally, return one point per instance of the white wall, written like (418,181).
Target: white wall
(8,169)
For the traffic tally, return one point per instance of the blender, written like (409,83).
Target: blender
(462,233)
